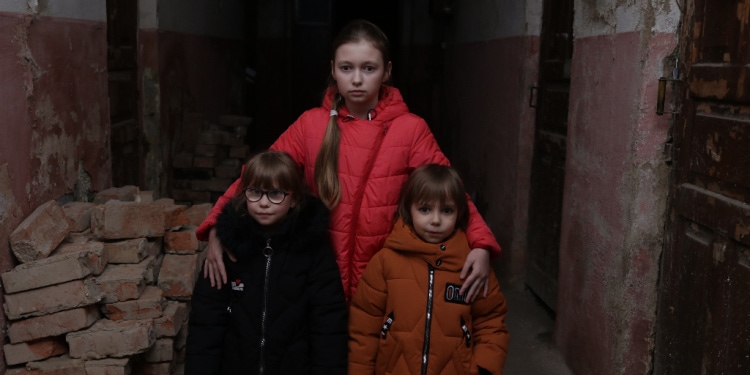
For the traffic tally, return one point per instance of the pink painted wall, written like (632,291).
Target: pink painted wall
(613,205)
(54,117)
(492,133)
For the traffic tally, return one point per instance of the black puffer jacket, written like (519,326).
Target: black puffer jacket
(289,320)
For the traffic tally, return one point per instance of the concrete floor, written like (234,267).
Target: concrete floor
(532,349)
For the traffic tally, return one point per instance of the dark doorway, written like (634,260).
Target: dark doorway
(548,165)
(125,139)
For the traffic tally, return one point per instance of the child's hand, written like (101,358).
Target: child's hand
(214,267)
(478,261)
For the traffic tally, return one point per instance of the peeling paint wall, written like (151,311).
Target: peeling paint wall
(55,113)
(615,187)
(492,54)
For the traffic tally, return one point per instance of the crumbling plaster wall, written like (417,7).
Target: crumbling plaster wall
(54,119)
(492,57)
(616,185)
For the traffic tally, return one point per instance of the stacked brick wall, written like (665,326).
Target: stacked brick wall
(102,287)
(210,157)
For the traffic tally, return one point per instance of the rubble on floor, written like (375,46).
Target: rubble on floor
(102,287)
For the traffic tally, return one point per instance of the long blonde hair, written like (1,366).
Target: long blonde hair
(327,161)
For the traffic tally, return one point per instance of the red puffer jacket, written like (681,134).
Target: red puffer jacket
(375,157)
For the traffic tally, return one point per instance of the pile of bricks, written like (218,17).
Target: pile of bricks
(210,157)
(102,287)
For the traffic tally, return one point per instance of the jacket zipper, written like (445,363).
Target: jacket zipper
(358,199)
(428,319)
(267,252)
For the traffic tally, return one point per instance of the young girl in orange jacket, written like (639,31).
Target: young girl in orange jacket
(408,316)
(356,150)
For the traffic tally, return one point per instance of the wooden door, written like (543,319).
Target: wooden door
(704,295)
(548,165)
(126,139)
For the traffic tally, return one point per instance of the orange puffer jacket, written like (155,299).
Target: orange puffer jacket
(408,318)
(375,157)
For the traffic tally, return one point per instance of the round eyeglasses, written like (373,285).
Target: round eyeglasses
(275,196)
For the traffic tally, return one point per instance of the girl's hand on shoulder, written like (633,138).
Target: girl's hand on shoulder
(477,266)
(214,268)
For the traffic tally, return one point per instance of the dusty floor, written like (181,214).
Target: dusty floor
(532,349)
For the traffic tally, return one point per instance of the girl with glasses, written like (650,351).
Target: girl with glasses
(356,151)
(284,311)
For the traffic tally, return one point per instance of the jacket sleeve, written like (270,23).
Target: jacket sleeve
(489,329)
(207,328)
(328,316)
(367,312)
(425,150)
(205,227)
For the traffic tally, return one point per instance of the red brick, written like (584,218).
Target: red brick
(120,220)
(40,233)
(107,338)
(174,217)
(55,269)
(163,368)
(79,237)
(161,351)
(79,214)
(165,202)
(177,276)
(34,351)
(149,305)
(128,193)
(53,324)
(52,299)
(145,197)
(175,314)
(197,213)
(62,365)
(96,258)
(122,282)
(108,366)
(127,251)
(181,242)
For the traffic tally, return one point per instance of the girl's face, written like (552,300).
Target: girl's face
(359,70)
(434,222)
(267,213)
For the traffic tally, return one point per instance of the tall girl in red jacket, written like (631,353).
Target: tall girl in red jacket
(356,150)
(407,316)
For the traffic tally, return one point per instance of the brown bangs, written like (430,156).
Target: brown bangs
(434,183)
